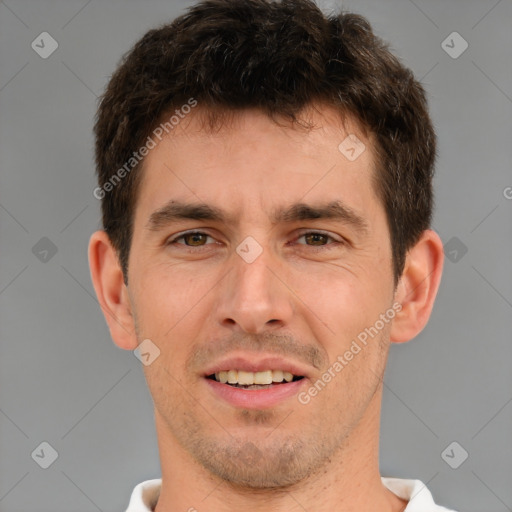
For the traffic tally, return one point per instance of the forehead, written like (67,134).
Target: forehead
(251,163)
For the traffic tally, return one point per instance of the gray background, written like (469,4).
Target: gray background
(63,381)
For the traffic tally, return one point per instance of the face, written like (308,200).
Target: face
(257,248)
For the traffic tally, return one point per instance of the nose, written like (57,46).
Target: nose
(254,297)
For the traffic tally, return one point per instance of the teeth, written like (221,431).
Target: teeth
(263,377)
(277,376)
(245,378)
(249,378)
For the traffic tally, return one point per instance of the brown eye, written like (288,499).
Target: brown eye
(316,238)
(195,239)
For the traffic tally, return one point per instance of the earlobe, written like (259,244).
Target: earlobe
(107,279)
(417,288)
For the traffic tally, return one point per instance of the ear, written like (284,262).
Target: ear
(417,288)
(107,279)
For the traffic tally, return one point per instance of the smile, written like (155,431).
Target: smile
(255,396)
(253,380)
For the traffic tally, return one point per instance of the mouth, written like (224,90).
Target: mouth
(257,390)
(265,379)
(256,380)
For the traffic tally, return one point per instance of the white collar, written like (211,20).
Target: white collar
(145,495)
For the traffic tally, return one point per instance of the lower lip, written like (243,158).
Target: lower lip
(255,398)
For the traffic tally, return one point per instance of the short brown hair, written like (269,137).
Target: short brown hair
(279,57)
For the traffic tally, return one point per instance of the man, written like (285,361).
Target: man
(266,183)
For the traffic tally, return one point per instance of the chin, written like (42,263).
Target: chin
(249,466)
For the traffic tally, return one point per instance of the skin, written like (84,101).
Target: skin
(304,298)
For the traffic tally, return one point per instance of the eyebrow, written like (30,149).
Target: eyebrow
(175,210)
(335,210)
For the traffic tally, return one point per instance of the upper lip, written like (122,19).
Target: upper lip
(256,363)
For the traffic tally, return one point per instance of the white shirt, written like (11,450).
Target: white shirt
(145,495)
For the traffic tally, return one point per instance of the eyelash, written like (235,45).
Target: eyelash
(327,246)
(173,240)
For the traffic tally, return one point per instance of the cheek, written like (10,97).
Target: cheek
(341,298)
(162,297)
(340,310)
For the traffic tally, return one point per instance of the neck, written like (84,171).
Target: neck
(349,481)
